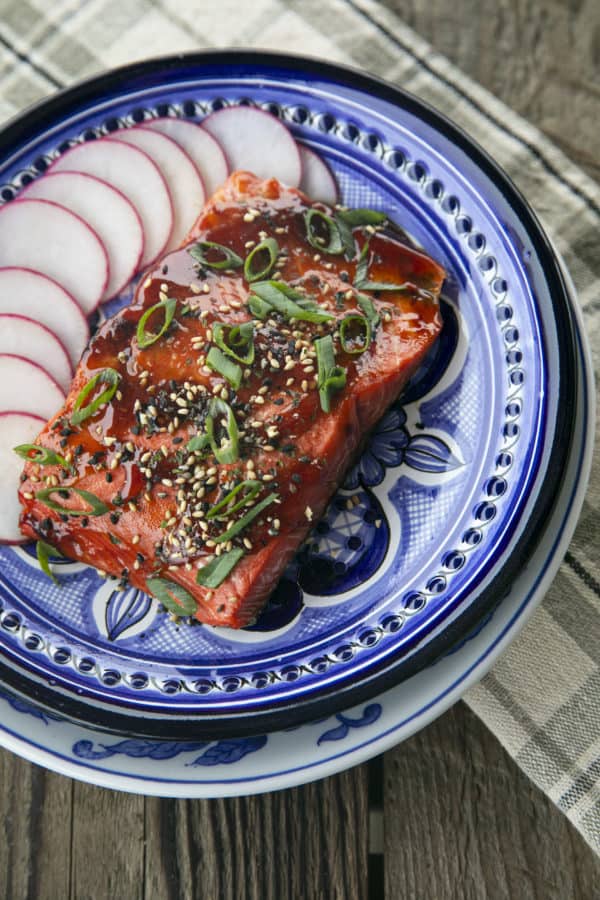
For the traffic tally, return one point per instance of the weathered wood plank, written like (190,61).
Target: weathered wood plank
(462,820)
(35,831)
(107,845)
(310,842)
(541,58)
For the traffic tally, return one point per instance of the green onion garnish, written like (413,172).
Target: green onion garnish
(330,377)
(259,308)
(42,456)
(97,506)
(107,376)
(172,596)
(368,307)
(346,220)
(226,450)
(147,338)
(216,571)
(205,252)
(362,266)
(222,510)
(199,442)
(355,334)
(322,232)
(287,301)
(246,519)
(252,266)
(43,551)
(222,365)
(235,340)
(361,277)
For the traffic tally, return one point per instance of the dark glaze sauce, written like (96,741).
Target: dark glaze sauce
(132,453)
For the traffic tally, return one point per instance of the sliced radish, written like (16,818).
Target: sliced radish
(24,337)
(27,387)
(15,428)
(134,174)
(317,180)
(28,293)
(257,142)
(107,210)
(204,151)
(180,173)
(44,236)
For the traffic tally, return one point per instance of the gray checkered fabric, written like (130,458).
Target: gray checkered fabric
(542,699)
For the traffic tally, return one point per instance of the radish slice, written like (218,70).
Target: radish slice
(134,174)
(257,142)
(36,342)
(180,173)
(15,428)
(27,387)
(204,151)
(44,236)
(23,292)
(109,213)
(317,180)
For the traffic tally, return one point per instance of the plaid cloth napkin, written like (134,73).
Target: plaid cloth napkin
(552,731)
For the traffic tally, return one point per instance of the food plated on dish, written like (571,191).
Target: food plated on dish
(442,502)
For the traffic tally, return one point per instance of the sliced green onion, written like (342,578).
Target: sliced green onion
(348,219)
(172,596)
(80,412)
(356,217)
(287,301)
(227,258)
(147,338)
(222,510)
(216,571)
(97,506)
(222,365)
(246,519)
(406,287)
(227,449)
(330,377)
(362,266)
(235,340)
(348,340)
(43,551)
(322,232)
(199,442)
(42,456)
(270,247)
(259,308)
(368,307)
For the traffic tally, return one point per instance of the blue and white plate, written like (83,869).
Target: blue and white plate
(266,762)
(449,502)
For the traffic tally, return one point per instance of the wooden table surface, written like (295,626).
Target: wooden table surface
(447,814)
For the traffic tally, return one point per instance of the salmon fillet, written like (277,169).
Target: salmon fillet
(209,526)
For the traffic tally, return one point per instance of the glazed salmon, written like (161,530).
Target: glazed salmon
(210,422)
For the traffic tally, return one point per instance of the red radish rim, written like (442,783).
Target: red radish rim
(21,200)
(57,284)
(262,112)
(213,139)
(114,138)
(310,152)
(112,187)
(45,328)
(37,365)
(9,542)
(142,127)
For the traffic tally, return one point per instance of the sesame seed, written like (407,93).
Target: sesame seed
(308,513)
(249,244)
(247,543)
(210,543)
(194,288)
(206,289)
(248,217)
(167,482)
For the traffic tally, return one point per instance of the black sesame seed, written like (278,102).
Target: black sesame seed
(114,518)
(344,277)
(108,477)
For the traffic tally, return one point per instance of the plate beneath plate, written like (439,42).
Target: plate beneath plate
(289,758)
(445,507)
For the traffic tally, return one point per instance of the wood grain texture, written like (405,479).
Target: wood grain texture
(307,843)
(542,58)
(462,821)
(35,831)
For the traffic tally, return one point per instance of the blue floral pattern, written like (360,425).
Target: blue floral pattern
(370,714)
